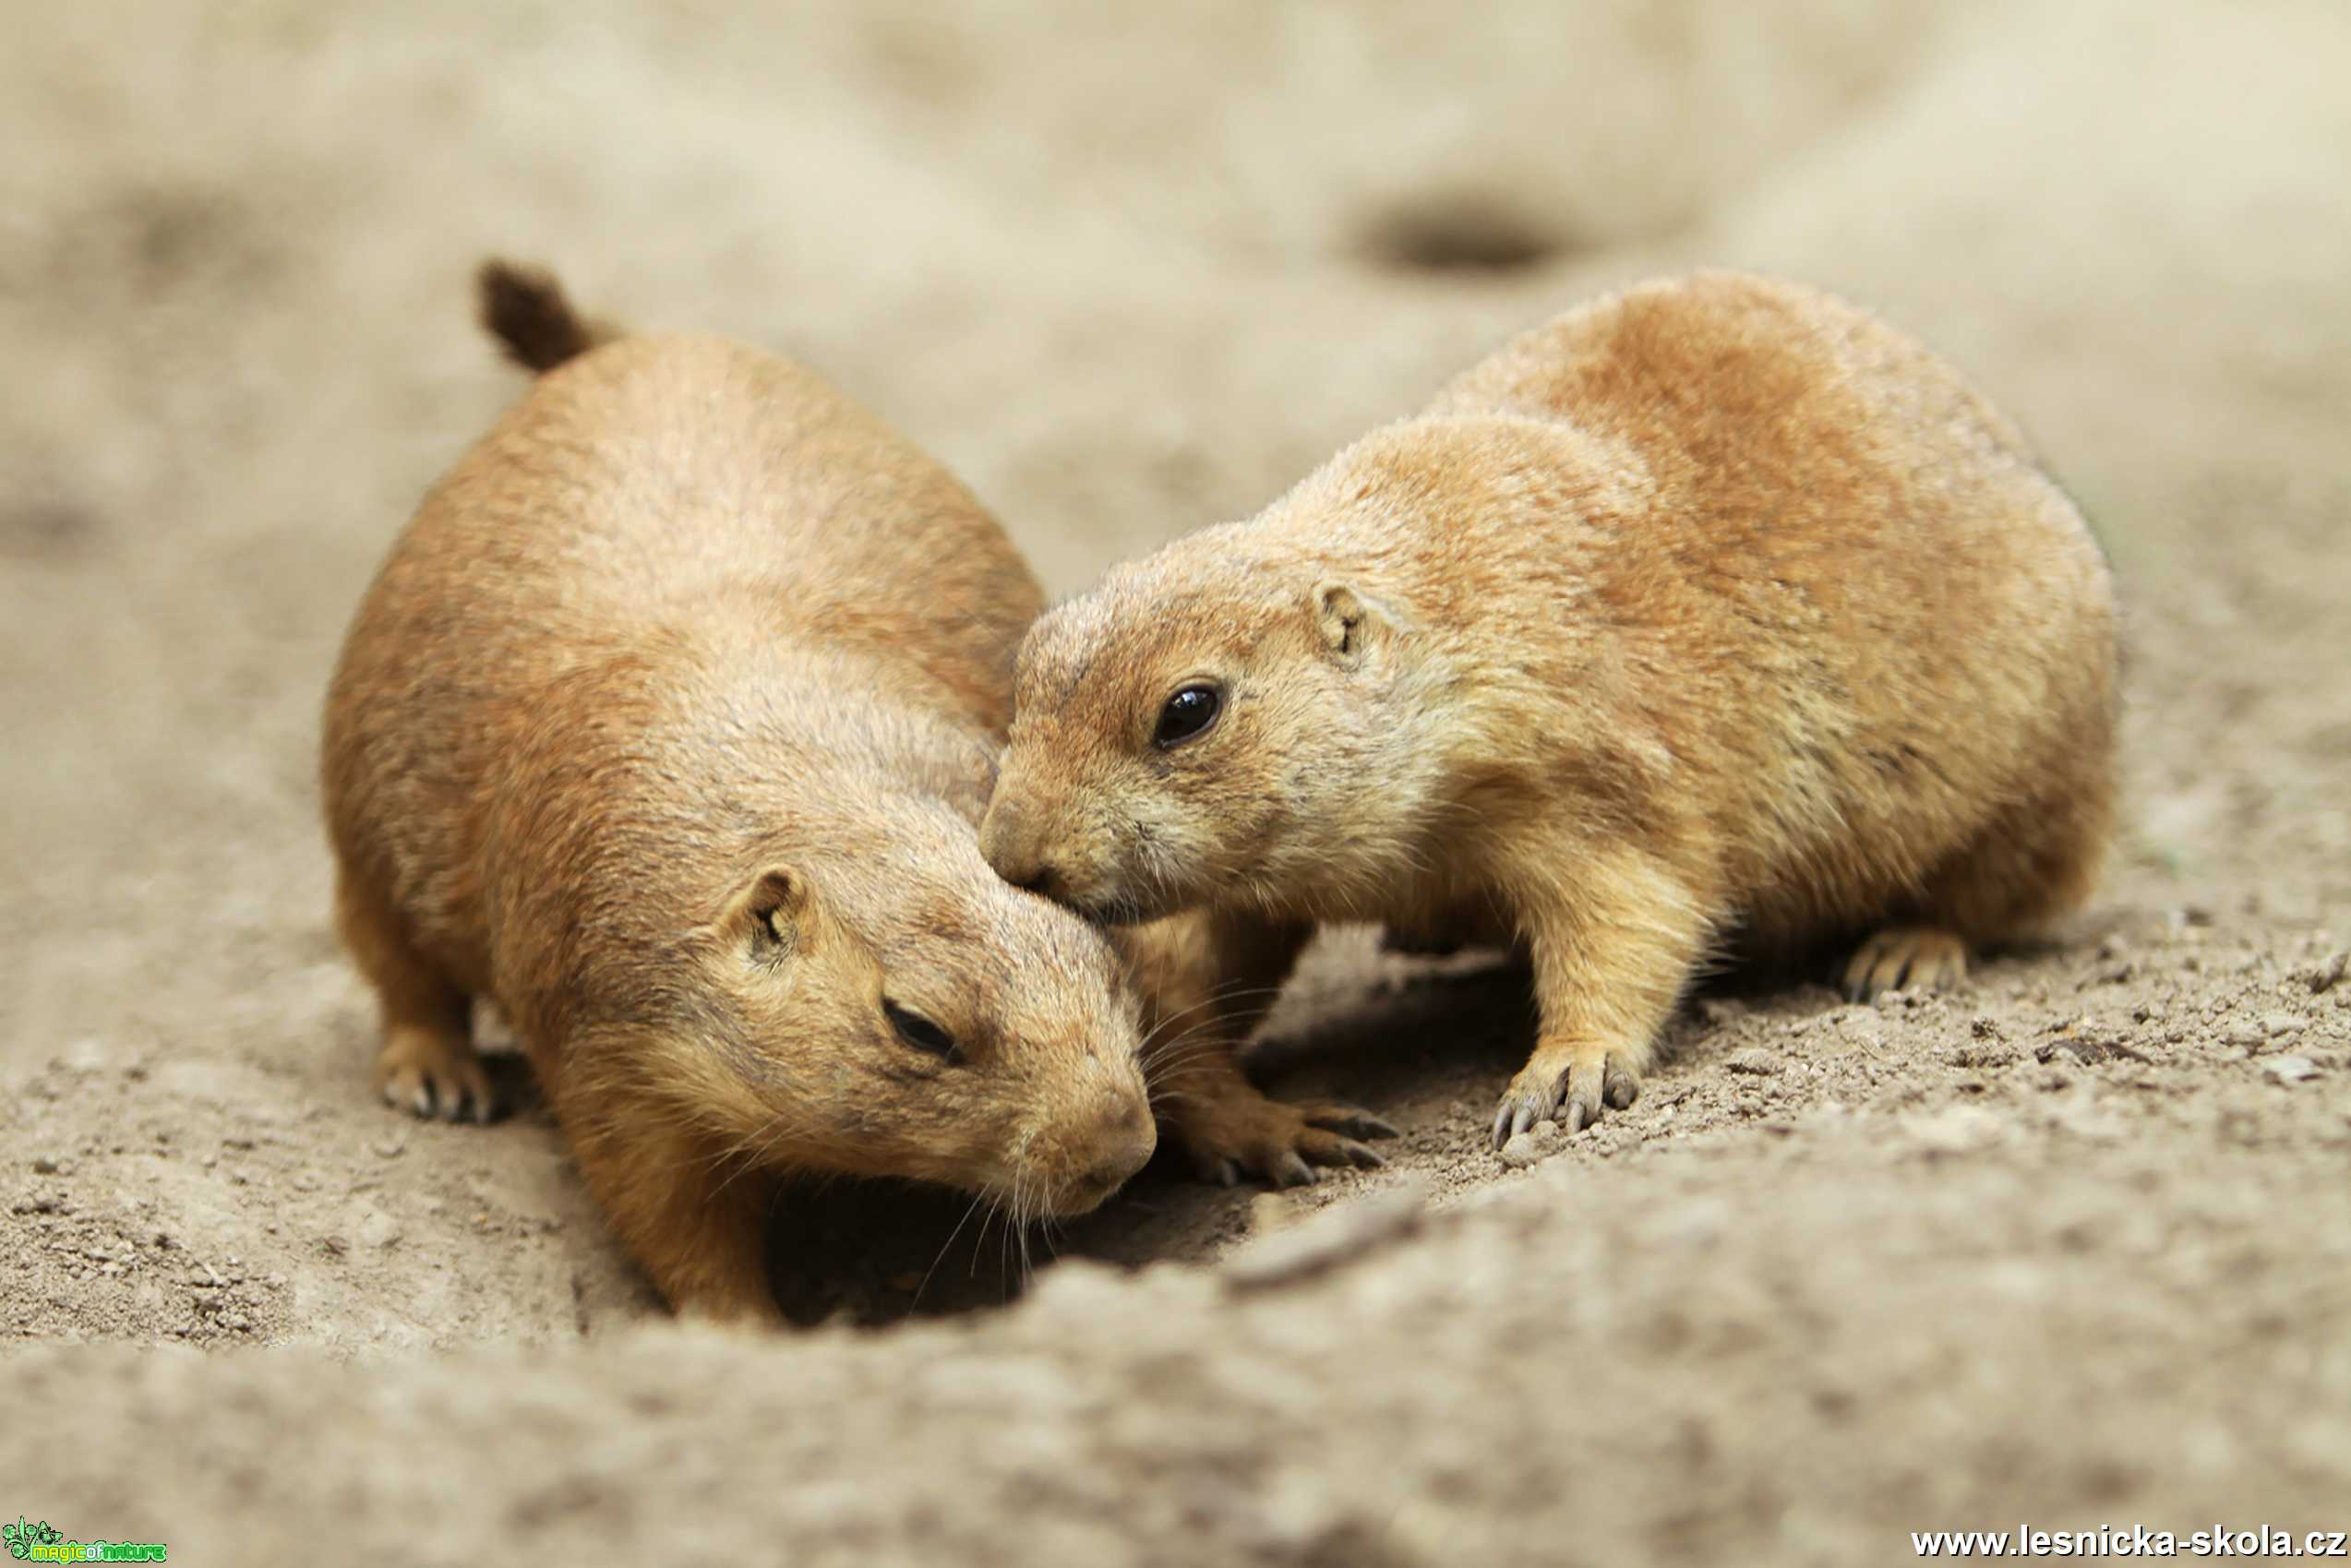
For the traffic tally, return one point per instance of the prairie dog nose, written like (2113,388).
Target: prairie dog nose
(1132,1138)
(1010,845)
(1043,879)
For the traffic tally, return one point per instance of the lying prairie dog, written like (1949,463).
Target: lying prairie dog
(668,724)
(1711,612)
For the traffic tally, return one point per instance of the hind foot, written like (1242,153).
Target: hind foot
(433,1075)
(1241,1133)
(1902,956)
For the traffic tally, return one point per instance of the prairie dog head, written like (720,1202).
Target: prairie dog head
(870,999)
(1275,713)
(1217,724)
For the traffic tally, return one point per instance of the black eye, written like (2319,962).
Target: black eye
(1188,713)
(920,1032)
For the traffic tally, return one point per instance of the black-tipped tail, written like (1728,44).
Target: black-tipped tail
(525,310)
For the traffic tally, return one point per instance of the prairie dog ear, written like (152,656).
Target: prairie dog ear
(1350,623)
(774,913)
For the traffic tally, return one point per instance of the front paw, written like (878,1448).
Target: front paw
(1902,956)
(434,1075)
(1583,1077)
(1245,1133)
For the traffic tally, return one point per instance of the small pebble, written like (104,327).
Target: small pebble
(379,1228)
(2290,1068)
(2244,1037)
(2278,1024)
(1531,1147)
(1271,1210)
(2325,975)
(1755,1062)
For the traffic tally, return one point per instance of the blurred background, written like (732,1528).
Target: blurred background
(1131,269)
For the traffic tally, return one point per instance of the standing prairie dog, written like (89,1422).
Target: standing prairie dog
(1711,612)
(668,725)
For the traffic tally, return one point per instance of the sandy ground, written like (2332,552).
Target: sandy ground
(2068,1247)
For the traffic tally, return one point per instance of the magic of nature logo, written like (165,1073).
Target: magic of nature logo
(29,1542)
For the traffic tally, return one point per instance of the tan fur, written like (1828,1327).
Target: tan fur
(668,725)
(1713,612)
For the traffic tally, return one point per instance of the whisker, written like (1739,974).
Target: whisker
(752,1152)
(1218,997)
(976,1198)
(979,1243)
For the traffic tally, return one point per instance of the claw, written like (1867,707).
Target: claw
(1573,1086)
(432,1076)
(1248,1136)
(1519,1111)
(1899,957)
(1351,1122)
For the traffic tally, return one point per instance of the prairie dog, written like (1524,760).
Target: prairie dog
(668,724)
(1711,611)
